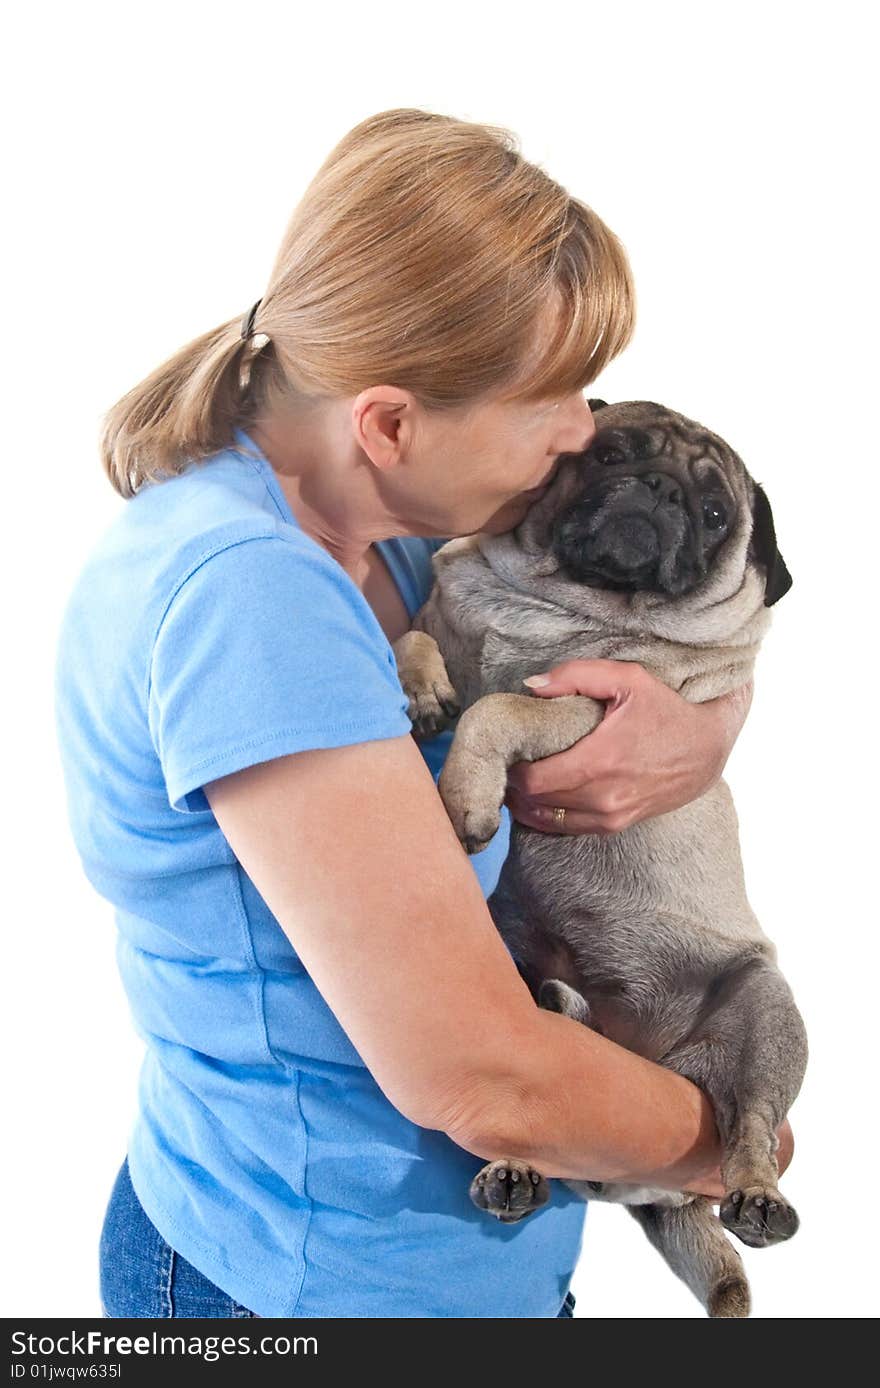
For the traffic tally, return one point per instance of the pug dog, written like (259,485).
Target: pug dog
(655,546)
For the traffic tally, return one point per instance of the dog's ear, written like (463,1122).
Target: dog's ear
(596,405)
(764,549)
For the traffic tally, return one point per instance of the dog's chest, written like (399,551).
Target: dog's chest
(493,636)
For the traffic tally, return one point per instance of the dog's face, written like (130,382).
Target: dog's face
(654,505)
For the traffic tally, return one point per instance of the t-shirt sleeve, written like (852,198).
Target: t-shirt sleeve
(265,648)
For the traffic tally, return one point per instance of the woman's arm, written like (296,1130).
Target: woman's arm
(653,751)
(352,850)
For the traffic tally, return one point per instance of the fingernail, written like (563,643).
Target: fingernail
(537,681)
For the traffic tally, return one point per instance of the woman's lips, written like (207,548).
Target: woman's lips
(540,490)
(536,491)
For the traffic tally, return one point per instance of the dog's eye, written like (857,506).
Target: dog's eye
(642,444)
(609,455)
(714,516)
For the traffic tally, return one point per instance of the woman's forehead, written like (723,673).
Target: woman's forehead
(548,325)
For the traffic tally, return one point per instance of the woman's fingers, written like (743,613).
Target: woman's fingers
(574,821)
(606,680)
(785,1150)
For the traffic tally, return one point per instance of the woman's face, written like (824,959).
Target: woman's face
(481,468)
(489,464)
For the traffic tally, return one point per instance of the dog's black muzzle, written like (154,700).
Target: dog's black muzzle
(631,533)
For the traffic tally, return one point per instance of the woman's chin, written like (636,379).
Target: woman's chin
(508,516)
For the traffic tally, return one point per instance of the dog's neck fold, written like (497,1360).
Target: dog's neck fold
(715,613)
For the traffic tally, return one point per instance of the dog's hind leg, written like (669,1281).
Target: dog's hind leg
(687,1234)
(748,1052)
(694,1245)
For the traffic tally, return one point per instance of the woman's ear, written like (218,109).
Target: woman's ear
(765,551)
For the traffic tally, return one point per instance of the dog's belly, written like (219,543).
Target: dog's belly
(643,1018)
(600,915)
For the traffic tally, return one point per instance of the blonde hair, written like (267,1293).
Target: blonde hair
(423,254)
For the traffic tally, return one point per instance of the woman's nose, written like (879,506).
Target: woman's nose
(577,430)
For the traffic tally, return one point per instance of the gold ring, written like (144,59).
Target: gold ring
(558,816)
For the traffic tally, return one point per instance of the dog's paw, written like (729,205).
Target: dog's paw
(759,1216)
(556,996)
(509,1189)
(472,789)
(433,702)
(477,827)
(729,1299)
(432,707)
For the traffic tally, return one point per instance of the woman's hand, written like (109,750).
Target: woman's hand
(653,751)
(785,1150)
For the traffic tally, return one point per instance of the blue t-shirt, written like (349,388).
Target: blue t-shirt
(207,632)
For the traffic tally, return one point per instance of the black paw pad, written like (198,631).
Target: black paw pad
(758,1217)
(509,1190)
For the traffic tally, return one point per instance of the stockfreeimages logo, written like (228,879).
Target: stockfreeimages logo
(97,1344)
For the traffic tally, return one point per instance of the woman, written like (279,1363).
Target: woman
(336,1036)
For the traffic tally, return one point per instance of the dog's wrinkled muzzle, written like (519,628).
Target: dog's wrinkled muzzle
(630,534)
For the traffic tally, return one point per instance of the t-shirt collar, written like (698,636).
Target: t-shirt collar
(267,472)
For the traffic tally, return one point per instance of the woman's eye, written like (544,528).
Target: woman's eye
(714,516)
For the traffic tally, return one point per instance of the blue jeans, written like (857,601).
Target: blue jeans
(142,1276)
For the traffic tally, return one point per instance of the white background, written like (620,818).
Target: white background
(156,154)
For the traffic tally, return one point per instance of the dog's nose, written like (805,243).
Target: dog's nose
(665,488)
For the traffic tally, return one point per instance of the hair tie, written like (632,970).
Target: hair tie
(247,323)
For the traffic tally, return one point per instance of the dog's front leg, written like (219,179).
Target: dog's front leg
(421,669)
(492,734)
